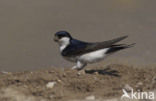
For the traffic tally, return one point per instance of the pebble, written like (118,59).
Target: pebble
(128,88)
(50,84)
(139,85)
(153,84)
(92,97)
(4,72)
(59,81)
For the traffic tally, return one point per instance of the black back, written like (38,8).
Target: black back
(76,47)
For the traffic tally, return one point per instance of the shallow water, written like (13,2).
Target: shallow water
(27,28)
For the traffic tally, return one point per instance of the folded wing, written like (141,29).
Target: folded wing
(78,47)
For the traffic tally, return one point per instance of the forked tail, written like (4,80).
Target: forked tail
(115,48)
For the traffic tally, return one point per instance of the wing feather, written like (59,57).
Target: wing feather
(79,47)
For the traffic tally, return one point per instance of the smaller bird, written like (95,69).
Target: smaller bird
(82,52)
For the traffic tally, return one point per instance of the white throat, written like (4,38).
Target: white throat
(64,42)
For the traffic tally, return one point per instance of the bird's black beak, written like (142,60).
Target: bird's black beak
(56,39)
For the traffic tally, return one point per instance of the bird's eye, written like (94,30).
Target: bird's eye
(60,36)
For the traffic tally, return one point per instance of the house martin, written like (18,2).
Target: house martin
(82,52)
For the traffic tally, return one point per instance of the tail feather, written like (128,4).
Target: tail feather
(113,41)
(115,48)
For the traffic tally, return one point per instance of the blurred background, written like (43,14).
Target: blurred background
(27,28)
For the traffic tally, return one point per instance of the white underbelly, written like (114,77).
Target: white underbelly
(94,56)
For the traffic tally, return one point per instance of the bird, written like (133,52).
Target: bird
(83,53)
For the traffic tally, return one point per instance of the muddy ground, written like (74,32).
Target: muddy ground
(69,85)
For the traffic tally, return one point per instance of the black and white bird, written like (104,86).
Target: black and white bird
(82,52)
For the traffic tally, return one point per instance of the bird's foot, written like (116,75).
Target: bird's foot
(74,68)
(77,68)
(81,72)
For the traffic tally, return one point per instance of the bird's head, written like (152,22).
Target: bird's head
(62,37)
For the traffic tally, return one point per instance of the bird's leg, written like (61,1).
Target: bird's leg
(74,67)
(79,66)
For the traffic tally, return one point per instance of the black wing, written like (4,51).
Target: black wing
(78,47)
(115,48)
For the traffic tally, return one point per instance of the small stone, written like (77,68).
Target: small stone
(139,84)
(153,84)
(64,74)
(92,97)
(51,96)
(128,88)
(4,72)
(95,78)
(51,71)
(59,81)
(50,84)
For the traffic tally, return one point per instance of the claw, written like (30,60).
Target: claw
(81,72)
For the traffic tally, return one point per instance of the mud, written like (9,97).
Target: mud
(102,82)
